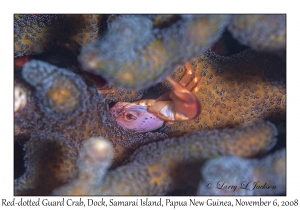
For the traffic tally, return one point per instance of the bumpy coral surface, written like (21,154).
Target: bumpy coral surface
(63,95)
(50,162)
(237,176)
(226,176)
(235,91)
(93,162)
(62,103)
(270,171)
(159,168)
(35,34)
(135,54)
(260,32)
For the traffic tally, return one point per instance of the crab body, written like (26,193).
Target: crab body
(135,117)
(178,104)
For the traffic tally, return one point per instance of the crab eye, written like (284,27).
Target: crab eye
(130,116)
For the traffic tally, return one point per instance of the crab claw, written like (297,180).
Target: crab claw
(186,105)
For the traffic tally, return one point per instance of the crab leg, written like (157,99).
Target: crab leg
(186,105)
(187,76)
(198,86)
(183,82)
(195,80)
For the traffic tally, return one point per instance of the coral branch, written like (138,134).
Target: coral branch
(260,32)
(62,102)
(237,176)
(37,34)
(50,162)
(135,54)
(155,169)
(94,159)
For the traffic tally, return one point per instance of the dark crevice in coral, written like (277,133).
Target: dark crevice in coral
(227,45)
(164,21)
(102,23)
(187,176)
(275,69)
(151,93)
(99,81)
(62,57)
(19,167)
(110,105)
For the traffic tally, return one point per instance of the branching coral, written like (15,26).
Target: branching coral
(237,176)
(58,96)
(113,94)
(60,110)
(157,168)
(135,54)
(260,32)
(65,94)
(50,162)
(93,162)
(238,90)
(35,34)
(60,102)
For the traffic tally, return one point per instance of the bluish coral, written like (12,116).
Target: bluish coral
(260,32)
(226,176)
(94,160)
(157,168)
(134,54)
(65,94)
(238,176)
(270,171)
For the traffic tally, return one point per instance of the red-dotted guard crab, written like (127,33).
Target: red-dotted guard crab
(177,104)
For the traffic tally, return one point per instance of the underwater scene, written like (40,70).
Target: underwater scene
(125,104)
